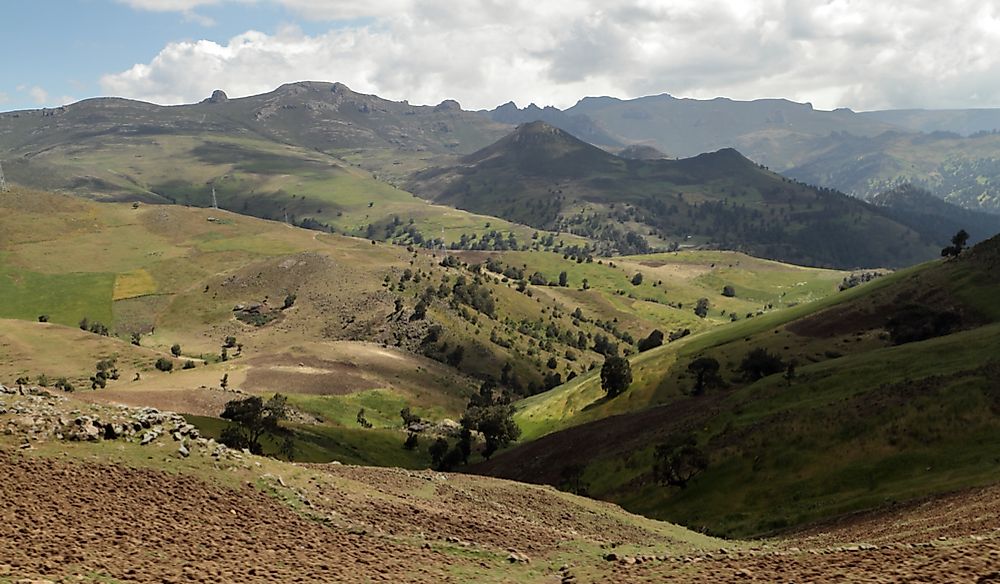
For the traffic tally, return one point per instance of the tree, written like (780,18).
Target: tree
(616,375)
(164,364)
(655,339)
(230,342)
(224,382)
(678,460)
(760,363)
(958,243)
(362,420)
(411,441)
(253,418)
(706,371)
(408,417)
(438,450)
(637,279)
(289,302)
(563,279)
(175,350)
(496,423)
(136,338)
(701,308)
(728,291)
(43,318)
(455,357)
(106,369)
(552,363)
(419,311)
(571,479)
(790,373)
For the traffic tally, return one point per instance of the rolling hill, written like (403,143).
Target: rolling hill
(544,177)
(333,321)
(893,397)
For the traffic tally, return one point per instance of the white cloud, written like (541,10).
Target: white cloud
(865,55)
(39,95)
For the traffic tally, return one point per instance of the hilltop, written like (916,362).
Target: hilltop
(544,177)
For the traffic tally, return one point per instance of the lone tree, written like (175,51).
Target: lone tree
(760,363)
(706,371)
(175,350)
(728,291)
(679,460)
(616,375)
(701,308)
(958,243)
(495,422)
(637,279)
(563,279)
(253,418)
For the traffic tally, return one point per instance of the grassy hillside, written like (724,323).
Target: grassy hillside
(869,416)
(331,320)
(542,176)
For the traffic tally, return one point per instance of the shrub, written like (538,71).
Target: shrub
(164,364)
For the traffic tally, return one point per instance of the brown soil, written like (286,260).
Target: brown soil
(61,519)
(309,375)
(200,402)
(955,538)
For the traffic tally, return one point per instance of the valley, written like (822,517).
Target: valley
(429,309)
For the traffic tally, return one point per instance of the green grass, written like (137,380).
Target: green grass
(65,298)
(325,443)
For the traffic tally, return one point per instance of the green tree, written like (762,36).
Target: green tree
(496,423)
(616,375)
(706,371)
(253,418)
(637,279)
(728,291)
(678,460)
(175,350)
(563,279)
(437,450)
(701,308)
(958,243)
(760,363)
(164,364)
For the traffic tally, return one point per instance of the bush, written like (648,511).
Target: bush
(760,363)
(175,350)
(728,291)
(655,339)
(164,364)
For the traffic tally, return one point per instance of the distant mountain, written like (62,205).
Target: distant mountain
(959,121)
(581,126)
(542,176)
(928,214)
(768,131)
(323,116)
(641,152)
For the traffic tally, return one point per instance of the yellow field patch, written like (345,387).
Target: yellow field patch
(133,284)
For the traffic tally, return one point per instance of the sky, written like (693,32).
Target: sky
(871,54)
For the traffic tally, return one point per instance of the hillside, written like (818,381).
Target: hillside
(542,176)
(154,512)
(337,323)
(893,398)
(926,213)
